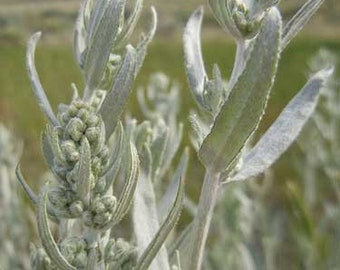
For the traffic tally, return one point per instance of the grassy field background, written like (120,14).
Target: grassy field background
(57,68)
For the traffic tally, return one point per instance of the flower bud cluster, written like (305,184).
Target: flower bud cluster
(65,202)
(120,254)
(242,18)
(79,122)
(75,250)
(247,24)
(100,212)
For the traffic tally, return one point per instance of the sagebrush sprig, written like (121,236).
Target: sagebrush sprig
(257,29)
(102,165)
(91,154)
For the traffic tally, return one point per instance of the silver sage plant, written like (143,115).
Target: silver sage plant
(102,166)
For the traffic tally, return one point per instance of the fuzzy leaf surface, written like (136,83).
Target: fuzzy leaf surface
(299,20)
(102,34)
(241,113)
(145,219)
(38,90)
(144,42)
(284,130)
(46,237)
(169,195)
(115,101)
(156,245)
(194,64)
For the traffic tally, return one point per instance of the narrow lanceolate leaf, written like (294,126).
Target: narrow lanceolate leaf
(115,101)
(158,241)
(284,130)
(299,20)
(117,142)
(158,148)
(193,55)
(53,138)
(47,150)
(145,219)
(169,196)
(143,44)
(30,193)
(46,237)
(101,37)
(130,25)
(84,173)
(39,92)
(129,188)
(242,112)
(79,43)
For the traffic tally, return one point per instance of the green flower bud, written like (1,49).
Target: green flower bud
(75,129)
(92,120)
(75,250)
(76,208)
(100,212)
(83,114)
(65,202)
(92,134)
(69,149)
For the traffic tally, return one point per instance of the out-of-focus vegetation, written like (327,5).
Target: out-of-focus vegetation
(57,69)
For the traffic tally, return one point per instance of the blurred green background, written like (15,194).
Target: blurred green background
(57,69)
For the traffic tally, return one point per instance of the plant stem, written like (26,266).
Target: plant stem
(203,218)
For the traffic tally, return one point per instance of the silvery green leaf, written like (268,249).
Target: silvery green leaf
(213,93)
(174,141)
(130,25)
(79,39)
(101,37)
(169,196)
(30,193)
(143,135)
(299,20)
(181,244)
(158,147)
(145,219)
(84,173)
(144,42)
(46,237)
(75,92)
(115,101)
(47,150)
(199,130)
(116,140)
(53,138)
(222,13)
(111,174)
(194,64)
(242,112)
(151,259)
(38,90)
(284,130)
(129,188)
